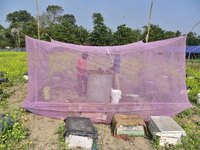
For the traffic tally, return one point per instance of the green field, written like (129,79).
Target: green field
(15,65)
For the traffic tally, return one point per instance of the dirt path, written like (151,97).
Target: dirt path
(43,130)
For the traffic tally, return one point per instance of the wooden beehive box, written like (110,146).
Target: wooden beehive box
(128,125)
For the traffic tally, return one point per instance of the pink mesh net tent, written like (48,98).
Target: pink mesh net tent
(74,80)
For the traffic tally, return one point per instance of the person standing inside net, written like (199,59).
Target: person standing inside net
(116,71)
(82,78)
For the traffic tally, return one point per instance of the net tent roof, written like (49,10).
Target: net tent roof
(151,78)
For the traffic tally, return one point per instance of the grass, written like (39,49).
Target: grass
(61,140)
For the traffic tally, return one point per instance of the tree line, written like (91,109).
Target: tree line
(63,27)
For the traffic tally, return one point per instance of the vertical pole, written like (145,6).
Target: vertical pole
(18,39)
(147,37)
(38,19)
(17,42)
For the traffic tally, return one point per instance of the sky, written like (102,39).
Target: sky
(171,15)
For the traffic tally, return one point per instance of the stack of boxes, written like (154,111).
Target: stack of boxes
(166,130)
(128,125)
(80,133)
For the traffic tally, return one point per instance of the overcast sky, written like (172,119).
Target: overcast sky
(168,14)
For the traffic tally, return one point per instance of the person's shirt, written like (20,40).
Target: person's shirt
(81,67)
(116,64)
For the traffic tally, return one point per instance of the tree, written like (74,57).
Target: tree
(63,32)
(18,20)
(3,40)
(30,29)
(193,39)
(54,11)
(45,20)
(178,33)
(67,18)
(20,16)
(82,36)
(101,34)
(125,35)
(1,27)
(156,33)
(171,34)
(11,41)
(2,30)
(97,19)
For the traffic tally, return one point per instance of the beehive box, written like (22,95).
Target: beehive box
(166,129)
(128,125)
(79,133)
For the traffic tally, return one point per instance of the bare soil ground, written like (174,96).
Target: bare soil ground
(43,130)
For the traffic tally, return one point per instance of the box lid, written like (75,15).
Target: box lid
(166,125)
(79,126)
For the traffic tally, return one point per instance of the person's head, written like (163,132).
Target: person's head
(117,53)
(85,55)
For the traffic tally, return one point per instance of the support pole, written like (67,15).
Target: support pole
(18,40)
(38,19)
(147,37)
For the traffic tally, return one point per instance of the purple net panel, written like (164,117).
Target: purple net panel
(74,80)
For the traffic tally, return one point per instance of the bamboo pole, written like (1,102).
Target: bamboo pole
(147,37)
(18,39)
(38,19)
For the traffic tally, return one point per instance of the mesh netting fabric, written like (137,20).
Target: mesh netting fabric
(75,80)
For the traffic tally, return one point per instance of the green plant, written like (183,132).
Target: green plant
(13,131)
(3,97)
(14,65)
(61,140)
(192,140)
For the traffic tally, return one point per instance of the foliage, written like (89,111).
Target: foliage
(20,16)
(61,140)
(54,24)
(125,35)
(189,119)
(11,41)
(192,128)
(18,20)
(68,33)
(64,28)
(54,11)
(13,131)
(14,64)
(193,82)
(68,18)
(3,96)
(156,33)
(193,39)
(101,34)
(3,41)
(44,19)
